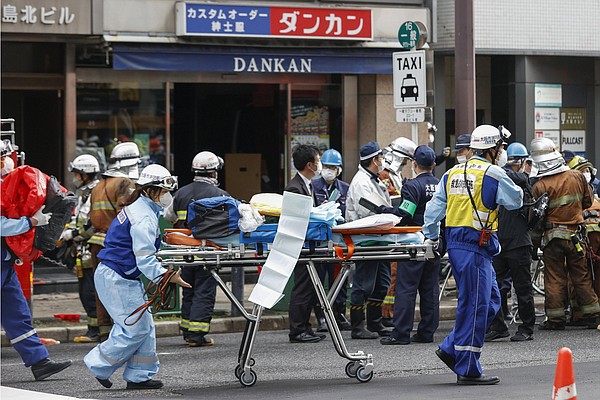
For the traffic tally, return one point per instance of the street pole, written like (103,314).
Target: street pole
(464,68)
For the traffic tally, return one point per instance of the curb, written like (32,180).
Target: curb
(217,325)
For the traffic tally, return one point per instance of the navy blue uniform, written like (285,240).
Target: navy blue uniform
(416,275)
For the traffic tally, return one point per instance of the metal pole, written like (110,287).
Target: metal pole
(237,287)
(464,67)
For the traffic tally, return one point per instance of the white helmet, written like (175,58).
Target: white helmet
(546,158)
(488,137)
(157,175)
(205,161)
(124,160)
(85,163)
(396,152)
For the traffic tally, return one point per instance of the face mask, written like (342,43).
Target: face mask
(9,165)
(461,159)
(328,174)
(502,159)
(165,200)
(588,177)
(318,171)
(77,181)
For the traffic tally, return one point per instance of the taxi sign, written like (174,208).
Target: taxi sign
(410,83)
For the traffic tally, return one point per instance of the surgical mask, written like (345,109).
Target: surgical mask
(9,165)
(329,174)
(502,159)
(318,170)
(77,181)
(380,167)
(165,200)
(588,177)
(461,159)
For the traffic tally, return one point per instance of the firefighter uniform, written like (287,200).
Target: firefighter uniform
(468,210)
(592,219)
(568,194)
(198,301)
(413,276)
(107,199)
(83,231)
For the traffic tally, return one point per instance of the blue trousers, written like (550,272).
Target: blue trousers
(371,281)
(16,319)
(410,277)
(478,303)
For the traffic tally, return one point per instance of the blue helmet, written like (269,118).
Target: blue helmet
(331,157)
(517,149)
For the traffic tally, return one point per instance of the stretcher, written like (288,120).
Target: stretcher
(345,248)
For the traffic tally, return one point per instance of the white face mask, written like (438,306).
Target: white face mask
(329,174)
(9,165)
(380,167)
(502,159)
(461,159)
(77,181)
(588,177)
(318,171)
(165,200)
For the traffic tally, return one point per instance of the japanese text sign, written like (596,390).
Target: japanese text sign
(50,16)
(255,21)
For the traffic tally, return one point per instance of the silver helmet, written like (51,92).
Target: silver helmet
(123,161)
(547,160)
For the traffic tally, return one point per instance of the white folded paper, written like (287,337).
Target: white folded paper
(377,221)
(284,254)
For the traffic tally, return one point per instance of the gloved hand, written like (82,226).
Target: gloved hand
(446,152)
(66,235)
(434,243)
(39,218)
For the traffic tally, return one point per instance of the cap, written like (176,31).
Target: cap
(568,155)
(462,142)
(369,150)
(424,156)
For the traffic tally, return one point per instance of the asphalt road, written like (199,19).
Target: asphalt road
(315,371)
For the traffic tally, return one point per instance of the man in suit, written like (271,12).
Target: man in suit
(307,161)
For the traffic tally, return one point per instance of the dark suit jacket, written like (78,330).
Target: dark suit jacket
(296,185)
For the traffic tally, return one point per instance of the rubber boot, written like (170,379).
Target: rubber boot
(357,319)
(321,322)
(374,318)
(339,311)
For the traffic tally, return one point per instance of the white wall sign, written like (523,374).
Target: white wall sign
(548,95)
(410,115)
(573,140)
(410,85)
(552,135)
(547,118)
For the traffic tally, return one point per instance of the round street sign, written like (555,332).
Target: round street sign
(412,35)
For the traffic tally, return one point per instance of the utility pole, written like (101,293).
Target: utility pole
(464,67)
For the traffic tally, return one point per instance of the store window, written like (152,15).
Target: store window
(109,113)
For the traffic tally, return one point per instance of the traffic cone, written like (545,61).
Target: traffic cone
(564,379)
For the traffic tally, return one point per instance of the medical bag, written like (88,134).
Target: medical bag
(213,217)
(61,204)
(316,232)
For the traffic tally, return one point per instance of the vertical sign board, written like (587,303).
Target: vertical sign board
(410,84)
(572,125)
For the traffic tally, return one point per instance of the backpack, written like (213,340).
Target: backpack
(213,217)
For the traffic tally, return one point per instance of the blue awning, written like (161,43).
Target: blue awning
(250,59)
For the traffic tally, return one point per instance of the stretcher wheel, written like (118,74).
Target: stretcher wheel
(238,371)
(362,376)
(252,362)
(248,378)
(351,368)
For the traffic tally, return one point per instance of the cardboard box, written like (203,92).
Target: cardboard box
(242,174)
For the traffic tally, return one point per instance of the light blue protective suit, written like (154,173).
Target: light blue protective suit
(130,247)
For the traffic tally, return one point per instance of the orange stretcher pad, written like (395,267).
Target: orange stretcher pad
(347,236)
(183,237)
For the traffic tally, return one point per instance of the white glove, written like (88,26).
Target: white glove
(433,254)
(39,218)
(66,235)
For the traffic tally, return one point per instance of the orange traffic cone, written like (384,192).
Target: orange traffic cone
(564,379)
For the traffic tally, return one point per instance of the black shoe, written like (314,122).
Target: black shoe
(493,335)
(387,322)
(417,338)
(306,337)
(344,326)
(361,332)
(390,340)
(551,326)
(149,384)
(588,323)
(480,380)
(45,368)
(105,382)
(521,337)
(322,327)
(446,358)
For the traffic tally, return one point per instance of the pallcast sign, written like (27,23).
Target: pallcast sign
(195,19)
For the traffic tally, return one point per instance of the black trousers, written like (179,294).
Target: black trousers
(198,303)
(302,300)
(518,263)
(87,292)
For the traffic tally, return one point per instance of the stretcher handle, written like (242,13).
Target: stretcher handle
(339,251)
